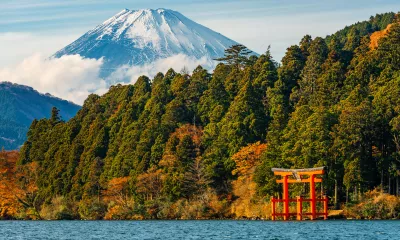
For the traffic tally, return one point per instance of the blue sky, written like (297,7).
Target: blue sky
(44,26)
(33,30)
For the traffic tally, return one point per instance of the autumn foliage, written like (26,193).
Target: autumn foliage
(201,145)
(376,36)
(248,204)
(375,204)
(9,204)
(17,188)
(247,158)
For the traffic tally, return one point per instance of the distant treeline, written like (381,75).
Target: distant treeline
(183,145)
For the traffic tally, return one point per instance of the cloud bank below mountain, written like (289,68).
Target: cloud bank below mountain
(177,62)
(70,77)
(73,77)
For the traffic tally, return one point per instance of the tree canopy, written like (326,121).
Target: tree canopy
(185,141)
(236,55)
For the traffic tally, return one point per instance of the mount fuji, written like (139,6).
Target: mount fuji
(139,37)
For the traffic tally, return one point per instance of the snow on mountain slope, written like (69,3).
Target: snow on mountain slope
(139,37)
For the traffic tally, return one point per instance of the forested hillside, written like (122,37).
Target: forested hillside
(19,106)
(185,145)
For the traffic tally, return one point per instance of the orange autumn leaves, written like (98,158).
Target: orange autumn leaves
(8,202)
(248,204)
(151,184)
(247,158)
(17,185)
(120,204)
(376,36)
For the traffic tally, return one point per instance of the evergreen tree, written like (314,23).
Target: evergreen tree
(214,101)
(55,116)
(236,56)
(266,68)
(292,65)
(175,140)
(312,70)
(305,44)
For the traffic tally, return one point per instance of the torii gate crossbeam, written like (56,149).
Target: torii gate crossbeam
(298,177)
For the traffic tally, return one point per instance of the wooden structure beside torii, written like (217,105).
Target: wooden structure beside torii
(299,176)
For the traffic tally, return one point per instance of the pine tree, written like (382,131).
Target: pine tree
(214,101)
(305,44)
(236,56)
(245,122)
(312,70)
(266,68)
(55,116)
(292,65)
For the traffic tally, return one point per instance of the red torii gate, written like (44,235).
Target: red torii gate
(298,177)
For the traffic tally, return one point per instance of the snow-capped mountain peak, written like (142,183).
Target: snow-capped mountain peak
(138,37)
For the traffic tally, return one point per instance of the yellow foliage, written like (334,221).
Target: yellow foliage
(205,206)
(247,158)
(376,36)
(189,130)
(9,204)
(17,186)
(375,205)
(122,211)
(248,204)
(169,159)
(150,183)
(116,189)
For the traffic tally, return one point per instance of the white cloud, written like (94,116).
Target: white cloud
(177,62)
(74,78)
(69,77)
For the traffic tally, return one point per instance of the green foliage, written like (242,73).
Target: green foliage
(20,105)
(375,205)
(332,102)
(91,209)
(340,113)
(236,56)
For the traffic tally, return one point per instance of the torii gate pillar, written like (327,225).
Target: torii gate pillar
(298,178)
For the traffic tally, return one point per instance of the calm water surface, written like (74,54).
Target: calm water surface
(199,230)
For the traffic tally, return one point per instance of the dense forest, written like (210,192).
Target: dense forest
(201,145)
(20,105)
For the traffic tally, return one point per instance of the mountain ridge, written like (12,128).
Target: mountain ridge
(138,37)
(26,87)
(20,105)
(202,145)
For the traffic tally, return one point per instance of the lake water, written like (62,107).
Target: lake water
(164,230)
